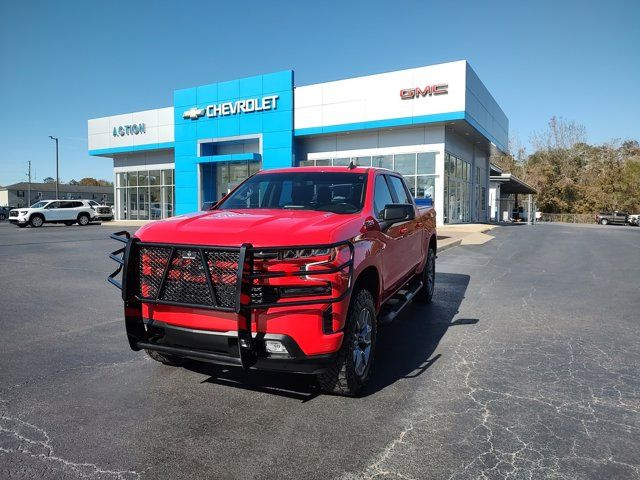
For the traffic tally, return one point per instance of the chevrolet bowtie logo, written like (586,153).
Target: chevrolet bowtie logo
(193,113)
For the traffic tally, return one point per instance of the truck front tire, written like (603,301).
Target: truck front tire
(352,367)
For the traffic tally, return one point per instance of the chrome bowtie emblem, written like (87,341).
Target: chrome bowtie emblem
(193,113)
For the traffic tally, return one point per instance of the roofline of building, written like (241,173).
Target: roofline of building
(307,85)
(50,187)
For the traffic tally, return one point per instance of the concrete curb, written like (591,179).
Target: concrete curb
(127,223)
(448,245)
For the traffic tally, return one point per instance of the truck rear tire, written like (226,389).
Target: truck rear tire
(352,367)
(428,276)
(166,359)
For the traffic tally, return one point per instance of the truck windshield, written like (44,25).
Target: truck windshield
(322,191)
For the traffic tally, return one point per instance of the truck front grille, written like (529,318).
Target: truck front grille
(186,278)
(13,214)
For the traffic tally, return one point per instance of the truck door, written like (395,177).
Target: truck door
(413,231)
(396,243)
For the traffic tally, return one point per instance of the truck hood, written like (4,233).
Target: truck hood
(264,228)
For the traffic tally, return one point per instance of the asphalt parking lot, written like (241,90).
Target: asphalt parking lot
(526,366)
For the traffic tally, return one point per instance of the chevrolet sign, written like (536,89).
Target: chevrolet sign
(233,108)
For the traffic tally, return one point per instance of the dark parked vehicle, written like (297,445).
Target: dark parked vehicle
(4,213)
(604,218)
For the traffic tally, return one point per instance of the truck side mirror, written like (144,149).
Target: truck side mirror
(397,212)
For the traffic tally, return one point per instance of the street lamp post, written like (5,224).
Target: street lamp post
(57,178)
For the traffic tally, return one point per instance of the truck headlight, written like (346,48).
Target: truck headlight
(305,253)
(23,212)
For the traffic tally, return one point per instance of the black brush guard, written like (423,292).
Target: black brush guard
(243,277)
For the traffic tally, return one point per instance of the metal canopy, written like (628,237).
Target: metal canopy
(511,184)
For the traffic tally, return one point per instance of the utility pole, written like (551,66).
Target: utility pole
(57,177)
(29,188)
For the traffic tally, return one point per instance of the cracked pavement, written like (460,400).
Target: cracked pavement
(525,366)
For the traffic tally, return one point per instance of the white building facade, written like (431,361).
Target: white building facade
(436,125)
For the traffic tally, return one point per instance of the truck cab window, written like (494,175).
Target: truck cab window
(401,192)
(381,196)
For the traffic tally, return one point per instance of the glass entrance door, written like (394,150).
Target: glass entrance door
(457,190)
(230,174)
(219,178)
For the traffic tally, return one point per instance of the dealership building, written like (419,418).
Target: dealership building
(437,125)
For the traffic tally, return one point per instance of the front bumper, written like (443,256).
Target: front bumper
(222,348)
(18,220)
(238,300)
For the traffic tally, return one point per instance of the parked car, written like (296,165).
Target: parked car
(604,218)
(53,211)
(103,213)
(4,213)
(293,271)
(634,220)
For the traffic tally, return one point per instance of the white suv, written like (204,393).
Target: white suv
(104,213)
(53,211)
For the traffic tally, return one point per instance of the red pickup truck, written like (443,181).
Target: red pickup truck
(294,270)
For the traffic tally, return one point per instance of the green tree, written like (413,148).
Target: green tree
(572,176)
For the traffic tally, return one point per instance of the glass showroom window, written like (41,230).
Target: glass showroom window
(418,169)
(145,194)
(457,189)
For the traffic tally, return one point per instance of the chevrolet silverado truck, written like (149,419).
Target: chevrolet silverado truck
(294,270)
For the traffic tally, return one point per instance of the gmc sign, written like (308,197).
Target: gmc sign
(437,89)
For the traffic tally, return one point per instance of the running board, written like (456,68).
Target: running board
(403,299)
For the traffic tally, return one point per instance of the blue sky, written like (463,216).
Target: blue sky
(64,62)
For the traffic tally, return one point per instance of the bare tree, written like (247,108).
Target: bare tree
(516,149)
(560,134)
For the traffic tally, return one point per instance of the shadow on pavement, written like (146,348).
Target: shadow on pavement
(406,347)
(404,351)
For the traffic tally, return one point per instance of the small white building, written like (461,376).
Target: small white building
(510,199)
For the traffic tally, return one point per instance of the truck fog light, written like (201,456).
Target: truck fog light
(275,346)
